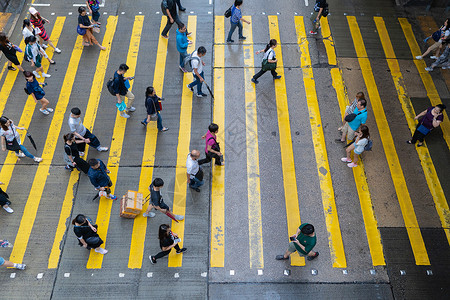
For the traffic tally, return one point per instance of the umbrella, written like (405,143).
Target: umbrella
(209,89)
(32,141)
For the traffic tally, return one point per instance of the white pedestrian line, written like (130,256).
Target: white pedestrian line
(177,275)
(67,275)
(70,13)
(140,12)
(306,3)
(402,272)
(123,13)
(157,12)
(314,272)
(287,272)
(52,14)
(231,272)
(345,272)
(204,274)
(39,4)
(373,272)
(40,275)
(121,274)
(13,275)
(209,12)
(260,272)
(149,274)
(105,13)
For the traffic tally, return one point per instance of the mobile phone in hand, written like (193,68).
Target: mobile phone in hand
(292,238)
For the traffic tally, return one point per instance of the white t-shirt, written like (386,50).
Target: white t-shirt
(270,54)
(27,32)
(192,166)
(10,134)
(196,63)
(77,126)
(359,146)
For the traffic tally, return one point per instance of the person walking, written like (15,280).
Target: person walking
(303,241)
(72,155)
(121,88)
(180,7)
(169,9)
(269,62)
(193,171)
(28,31)
(182,45)
(9,50)
(9,264)
(167,241)
(359,117)
(152,104)
(98,175)
(212,148)
(87,235)
(319,7)
(11,139)
(94,7)
(197,70)
(85,23)
(33,88)
(235,20)
(441,61)
(38,22)
(351,108)
(82,133)
(34,54)
(358,146)
(4,201)
(157,202)
(443,38)
(429,119)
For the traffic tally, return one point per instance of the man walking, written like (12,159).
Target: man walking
(197,70)
(169,8)
(235,20)
(360,117)
(182,45)
(319,7)
(303,242)
(157,202)
(180,7)
(193,171)
(82,133)
(98,175)
(121,86)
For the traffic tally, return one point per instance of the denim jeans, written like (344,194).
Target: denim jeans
(25,151)
(197,83)
(233,27)
(159,121)
(183,55)
(195,183)
(95,143)
(176,19)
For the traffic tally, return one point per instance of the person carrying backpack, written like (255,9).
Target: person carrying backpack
(235,20)
(33,88)
(121,86)
(197,64)
(439,37)
(212,148)
(358,147)
(321,7)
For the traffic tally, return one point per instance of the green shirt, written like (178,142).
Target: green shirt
(307,241)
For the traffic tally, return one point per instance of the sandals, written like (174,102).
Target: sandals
(11,68)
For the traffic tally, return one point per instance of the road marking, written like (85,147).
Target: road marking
(40,4)
(9,81)
(432,92)
(34,198)
(370,221)
(306,3)
(4,17)
(253,174)
(184,138)
(429,171)
(217,258)
(148,158)
(409,216)
(323,168)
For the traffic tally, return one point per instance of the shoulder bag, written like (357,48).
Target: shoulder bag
(351,117)
(14,144)
(216,146)
(268,66)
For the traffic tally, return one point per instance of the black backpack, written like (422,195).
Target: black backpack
(110,86)
(227,13)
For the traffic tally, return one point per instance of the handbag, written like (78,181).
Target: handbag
(121,106)
(81,31)
(14,144)
(199,174)
(423,130)
(93,240)
(268,66)
(227,13)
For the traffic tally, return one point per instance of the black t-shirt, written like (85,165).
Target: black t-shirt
(166,242)
(84,20)
(72,150)
(321,3)
(155,196)
(83,232)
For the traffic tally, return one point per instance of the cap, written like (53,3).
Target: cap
(32,10)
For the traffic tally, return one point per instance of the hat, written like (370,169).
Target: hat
(32,10)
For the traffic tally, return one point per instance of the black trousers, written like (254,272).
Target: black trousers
(176,19)
(164,253)
(179,4)
(261,72)
(417,136)
(209,157)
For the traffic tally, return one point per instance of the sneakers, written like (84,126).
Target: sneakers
(429,69)
(20,154)
(36,74)
(182,69)
(195,189)
(44,46)
(99,149)
(149,214)
(8,209)
(131,109)
(189,87)
(57,50)
(230,41)
(419,57)
(312,257)
(37,159)
(345,159)
(201,95)
(20,266)
(433,57)
(277,77)
(352,165)
(101,251)
(46,75)
(243,38)
(44,111)
(112,197)
(182,9)
(313,32)
(152,260)
(179,217)
(281,257)
(255,81)
(181,250)
(125,115)
(49,109)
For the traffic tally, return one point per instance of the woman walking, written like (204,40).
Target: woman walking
(212,148)
(87,234)
(167,241)
(362,138)
(4,201)
(38,22)
(34,88)
(28,31)
(94,7)
(153,107)
(441,37)
(269,61)
(351,108)
(430,119)
(11,139)
(9,49)
(85,24)
(72,155)
(34,54)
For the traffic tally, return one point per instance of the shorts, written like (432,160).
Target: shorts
(435,46)
(293,249)
(2,261)
(348,131)
(38,62)
(357,152)
(161,205)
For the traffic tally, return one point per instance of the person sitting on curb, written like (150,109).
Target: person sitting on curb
(193,171)
(303,242)
(98,174)
(157,202)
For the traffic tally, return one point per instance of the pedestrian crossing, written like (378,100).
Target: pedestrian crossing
(139,237)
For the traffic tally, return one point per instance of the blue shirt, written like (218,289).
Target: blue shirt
(361,118)
(34,88)
(182,41)
(236,15)
(99,178)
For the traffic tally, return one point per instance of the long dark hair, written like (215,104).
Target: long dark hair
(68,136)
(163,233)
(26,23)
(271,43)
(3,121)
(4,39)
(149,91)
(36,18)
(80,219)
(365,131)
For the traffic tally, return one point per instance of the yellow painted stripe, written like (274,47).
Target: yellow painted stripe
(427,164)
(370,221)
(104,209)
(184,139)
(409,216)
(323,168)
(432,92)
(217,257)
(4,17)
(148,159)
(35,195)
(253,182)
(328,41)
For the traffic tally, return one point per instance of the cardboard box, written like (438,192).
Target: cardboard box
(123,213)
(133,202)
